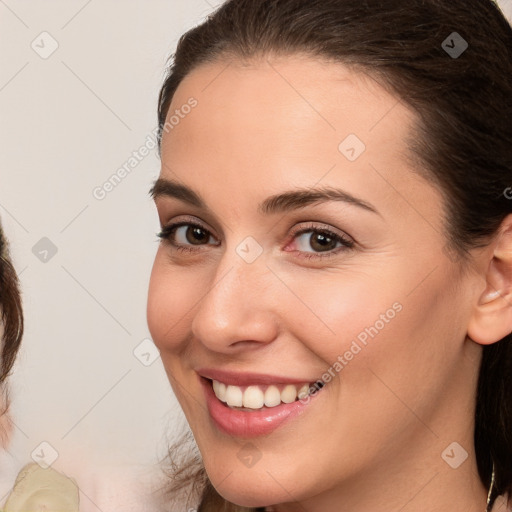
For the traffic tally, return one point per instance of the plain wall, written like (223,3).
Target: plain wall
(68,122)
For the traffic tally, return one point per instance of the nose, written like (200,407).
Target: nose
(238,310)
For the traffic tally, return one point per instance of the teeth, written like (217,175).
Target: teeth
(234,396)
(303,392)
(220,390)
(255,397)
(272,396)
(289,394)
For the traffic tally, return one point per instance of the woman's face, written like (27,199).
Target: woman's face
(267,292)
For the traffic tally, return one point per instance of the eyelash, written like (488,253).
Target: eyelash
(168,231)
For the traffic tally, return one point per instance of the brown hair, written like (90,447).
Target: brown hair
(463,138)
(12,319)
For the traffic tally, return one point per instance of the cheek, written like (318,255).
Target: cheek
(405,356)
(336,309)
(172,294)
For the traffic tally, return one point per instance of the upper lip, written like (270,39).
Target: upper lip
(247,378)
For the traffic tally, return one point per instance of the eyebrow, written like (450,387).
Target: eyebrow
(279,203)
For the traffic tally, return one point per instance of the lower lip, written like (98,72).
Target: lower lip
(250,424)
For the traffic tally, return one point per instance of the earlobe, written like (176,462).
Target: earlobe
(491,319)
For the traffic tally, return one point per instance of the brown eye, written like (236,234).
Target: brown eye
(195,235)
(322,242)
(315,240)
(186,234)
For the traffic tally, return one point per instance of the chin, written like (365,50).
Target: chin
(247,497)
(250,487)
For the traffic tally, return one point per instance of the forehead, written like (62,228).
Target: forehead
(295,92)
(284,120)
(275,102)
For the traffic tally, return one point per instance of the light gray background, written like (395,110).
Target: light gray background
(67,123)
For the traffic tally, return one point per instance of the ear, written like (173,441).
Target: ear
(491,319)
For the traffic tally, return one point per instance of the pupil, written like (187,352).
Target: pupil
(322,240)
(198,235)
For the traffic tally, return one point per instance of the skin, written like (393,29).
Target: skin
(372,439)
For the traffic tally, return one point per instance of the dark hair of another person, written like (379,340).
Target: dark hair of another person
(12,318)
(462,142)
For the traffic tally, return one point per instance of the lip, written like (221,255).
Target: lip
(248,379)
(244,424)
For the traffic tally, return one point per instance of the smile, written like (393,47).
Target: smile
(248,406)
(256,397)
